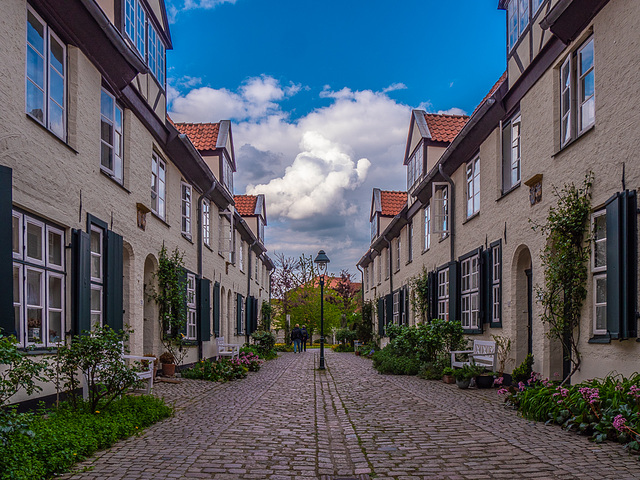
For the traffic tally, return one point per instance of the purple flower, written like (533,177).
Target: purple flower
(503,391)
(498,381)
(619,423)
(521,386)
(591,395)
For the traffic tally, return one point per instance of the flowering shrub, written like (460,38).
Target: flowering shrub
(222,370)
(604,409)
(251,361)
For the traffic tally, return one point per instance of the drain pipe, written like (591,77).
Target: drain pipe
(390,264)
(451,206)
(362,277)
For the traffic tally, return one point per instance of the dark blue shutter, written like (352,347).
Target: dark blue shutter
(381,317)
(406,305)
(248,315)
(203,299)
(485,286)
(81,281)
(7,320)
(183,283)
(255,315)
(454,292)
(238,313)
(388,315)
(113,304)
(622,265)
(216,309)
(432,286)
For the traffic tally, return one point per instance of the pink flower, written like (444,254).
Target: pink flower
(503,391)
(521,386)
(591,395)
(498,381)
(619,423)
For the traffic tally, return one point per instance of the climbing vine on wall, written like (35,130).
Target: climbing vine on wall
(420,294)
(565,261)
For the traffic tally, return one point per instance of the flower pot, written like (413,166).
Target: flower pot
(484,381)
(448,379)
(507,380)
(463,383)
(168,369)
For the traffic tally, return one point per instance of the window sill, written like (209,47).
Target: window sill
(113,179)
(472,331)
(63,142)
(505,193)
(573,140)
(187,237)
(468,219)
(442,239)
(208,247)
(38,350)
(162,220)
(600,339)
(425,250)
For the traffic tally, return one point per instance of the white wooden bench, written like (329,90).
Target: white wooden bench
(144,375)
(483,354)
(227,349)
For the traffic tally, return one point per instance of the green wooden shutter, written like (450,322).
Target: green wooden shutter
(254,318)
(216,309)
(247,315)
(622,265)
(388,315)
(485,286)
(496,249)
(432,286)
(454,292)
(7,320)
(238,314)
(81,281)
(183,283)
(381,317)
(113,304)
(203,294)
(406,304)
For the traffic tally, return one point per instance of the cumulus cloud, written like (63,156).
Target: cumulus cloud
(452,111)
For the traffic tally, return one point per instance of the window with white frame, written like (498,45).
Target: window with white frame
(387,253)
(240,244)
(535,6)
(473,187)
(374,227)
(226,237)
(185,211)
(379,262)
(440,202)
(410,243)
(427,228)
(511,153)
(599,270)
(415,166)
(111,137)
(135,19)
(242,323)
(443,294)
(398,252)
(156,55)
(97,275)
(261,229)
(46,74)
(206,222)
(518,20)
(577,74)
(396,308)
(191,307)
(256,269)
(470,290)
(158,185)
(227,174)
(38,281)
(496,283)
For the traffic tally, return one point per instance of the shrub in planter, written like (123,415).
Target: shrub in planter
(447,375)
(464,375)
(522,372)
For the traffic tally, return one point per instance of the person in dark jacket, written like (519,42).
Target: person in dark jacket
(305,337)
(296,337)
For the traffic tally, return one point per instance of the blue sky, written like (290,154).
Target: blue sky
(320,96)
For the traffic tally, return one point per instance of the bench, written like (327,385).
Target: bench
(144,375)
(227,349)
(483,354)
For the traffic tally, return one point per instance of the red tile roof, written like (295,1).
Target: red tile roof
(246,204)
(392,203)
(444,128)
(502,79)
(204,136)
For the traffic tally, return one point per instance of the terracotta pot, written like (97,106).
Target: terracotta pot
(448,379)
(168,369)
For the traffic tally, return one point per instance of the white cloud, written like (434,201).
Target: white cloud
(393,87)
(452,111)
(174,7)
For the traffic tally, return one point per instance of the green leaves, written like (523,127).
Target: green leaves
(21,371)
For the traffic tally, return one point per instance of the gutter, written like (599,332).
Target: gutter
(452,209)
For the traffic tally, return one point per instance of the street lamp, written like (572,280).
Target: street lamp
(322,260)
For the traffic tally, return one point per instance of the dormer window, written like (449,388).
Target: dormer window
(145,38)
(415,167)
(227,174)
(518,19)
(374,227)
(260,229)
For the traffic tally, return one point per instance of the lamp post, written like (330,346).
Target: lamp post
(322,260)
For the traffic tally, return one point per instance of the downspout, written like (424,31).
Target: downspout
(249,279)
(362,283)
(200,240)
(452,209)
(390,264)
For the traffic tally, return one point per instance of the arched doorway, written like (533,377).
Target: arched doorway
(522,283)
(150,330)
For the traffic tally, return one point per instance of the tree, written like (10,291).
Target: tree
(347,296)
(285,279)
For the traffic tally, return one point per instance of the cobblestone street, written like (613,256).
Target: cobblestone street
(289,421)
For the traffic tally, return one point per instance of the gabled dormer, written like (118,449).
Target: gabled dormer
(252,209)
(429,136)
(214,141)
(385,205)
(525,36)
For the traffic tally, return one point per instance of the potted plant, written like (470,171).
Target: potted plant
(168,364)
(447,375)
(484,379)
(522,372)
(464,375)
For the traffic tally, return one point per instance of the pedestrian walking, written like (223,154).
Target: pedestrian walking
(296,337)
(305,337)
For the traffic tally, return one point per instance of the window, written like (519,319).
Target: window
(440,201)
(410,243)
(38,281)
(366,278)
(387,253)
(111,136)
(191,307)
(97,275)
(260,229)
(427,227)
(185,212)
(415,166)
(577,74)
(379,268)
(511,153)
(158,185)
(443,294)
(374,227)
(518,19)
(226,237)
(496,283)
(398,250)
(134,24)
(535,6)
(45,76)
(256,269)
(396,308)
(156,55)
(470,288)
(599,268)
(473,187)
(241,254)
(227,174)
(206,222)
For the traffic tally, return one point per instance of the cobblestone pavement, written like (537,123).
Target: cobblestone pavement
(289,421)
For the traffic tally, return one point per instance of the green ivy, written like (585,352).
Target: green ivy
(420,294)
(565,262)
